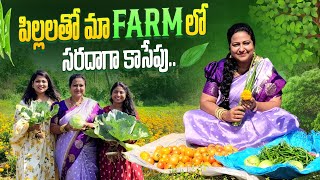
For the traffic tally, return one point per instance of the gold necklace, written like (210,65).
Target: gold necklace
(73,103)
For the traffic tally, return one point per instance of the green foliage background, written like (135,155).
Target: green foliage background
(301,97)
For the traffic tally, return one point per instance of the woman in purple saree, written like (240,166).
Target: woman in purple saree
(262,119)
(75,152)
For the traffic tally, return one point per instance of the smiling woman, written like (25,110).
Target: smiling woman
(262,118)
(34,145)
(75,152)
(112,165)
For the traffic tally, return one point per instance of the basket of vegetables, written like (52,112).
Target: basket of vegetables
(286,157)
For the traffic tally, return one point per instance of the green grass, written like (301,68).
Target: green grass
(7,107)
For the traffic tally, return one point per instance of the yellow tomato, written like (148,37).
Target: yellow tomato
(150,160)
(174,159)
(144,155)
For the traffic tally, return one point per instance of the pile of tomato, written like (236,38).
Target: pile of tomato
(182,156)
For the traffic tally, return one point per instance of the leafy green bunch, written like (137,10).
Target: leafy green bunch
(37,112)
(118,126)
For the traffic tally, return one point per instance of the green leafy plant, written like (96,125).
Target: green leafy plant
(118,126)
(316,123)
(292,26)
(37,112)
(301,97)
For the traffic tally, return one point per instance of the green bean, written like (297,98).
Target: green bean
(1,31)
(283,152)
(7,47)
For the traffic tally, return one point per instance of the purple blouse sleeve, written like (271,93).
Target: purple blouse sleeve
(214,73)
(272,88)
(62,111)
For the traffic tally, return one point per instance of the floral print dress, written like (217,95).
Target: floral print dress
(35,160)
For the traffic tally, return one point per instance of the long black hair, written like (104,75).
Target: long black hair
(127,105)
(30,94)
(230,65)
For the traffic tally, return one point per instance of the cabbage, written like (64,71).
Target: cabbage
(119,126)
(37,112)
(77,121)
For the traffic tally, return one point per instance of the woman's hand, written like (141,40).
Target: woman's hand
(84,127)
(35,127)
(234,115)
(87,126)
(249,104)
(68,127)
(130,141)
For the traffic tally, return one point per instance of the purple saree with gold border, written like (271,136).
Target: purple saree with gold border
(75,152)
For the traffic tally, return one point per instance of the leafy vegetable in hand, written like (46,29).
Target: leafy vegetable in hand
(117,125)
(77,121)
(37,112)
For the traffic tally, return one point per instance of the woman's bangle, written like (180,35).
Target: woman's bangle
(63,128)
(219,112)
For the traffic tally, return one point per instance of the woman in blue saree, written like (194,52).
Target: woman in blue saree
(261,118)
(75,152)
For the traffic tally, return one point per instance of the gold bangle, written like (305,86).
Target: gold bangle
(219,112)
(63,128)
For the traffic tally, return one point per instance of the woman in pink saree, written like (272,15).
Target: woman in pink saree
(75,152)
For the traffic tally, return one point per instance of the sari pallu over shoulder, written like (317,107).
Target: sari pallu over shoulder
(70,144)
(257,128)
